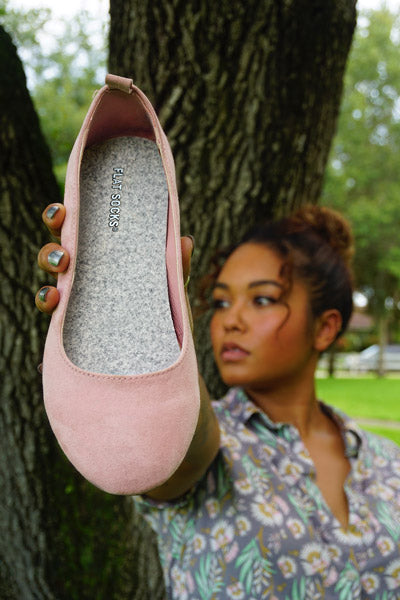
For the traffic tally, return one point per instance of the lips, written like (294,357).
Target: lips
(232,352)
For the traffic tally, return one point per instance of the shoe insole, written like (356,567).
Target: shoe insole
(119,319)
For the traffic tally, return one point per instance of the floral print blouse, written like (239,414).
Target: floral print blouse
(257,526)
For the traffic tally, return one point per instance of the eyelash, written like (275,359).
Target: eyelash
(270,300)
(219,303)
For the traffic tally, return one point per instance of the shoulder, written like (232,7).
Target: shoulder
(371,445)
(234,408)
(381,446)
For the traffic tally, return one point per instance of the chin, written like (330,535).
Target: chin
(234,379)
(251,381)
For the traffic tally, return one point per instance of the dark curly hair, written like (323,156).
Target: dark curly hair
(316,244)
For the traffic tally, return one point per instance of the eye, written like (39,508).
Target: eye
(264,300)
(219,303)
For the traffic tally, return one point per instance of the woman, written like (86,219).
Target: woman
(279,496)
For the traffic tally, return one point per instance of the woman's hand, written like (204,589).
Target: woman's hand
(54,259)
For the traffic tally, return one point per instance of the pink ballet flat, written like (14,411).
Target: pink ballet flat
(120,375)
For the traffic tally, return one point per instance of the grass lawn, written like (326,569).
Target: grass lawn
(365,397)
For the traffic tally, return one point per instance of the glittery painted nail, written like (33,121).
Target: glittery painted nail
(193,242)
(55,257)
(50,212)
(42,294)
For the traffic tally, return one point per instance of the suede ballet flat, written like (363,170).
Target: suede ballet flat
(120,376)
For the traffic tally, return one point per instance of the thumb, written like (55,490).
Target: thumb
(187,246)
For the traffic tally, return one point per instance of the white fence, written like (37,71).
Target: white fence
(367,360)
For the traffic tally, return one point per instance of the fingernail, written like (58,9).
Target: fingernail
(42,294)
(193,242)
(55,257)
(50,212)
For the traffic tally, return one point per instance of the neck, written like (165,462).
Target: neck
(292,401)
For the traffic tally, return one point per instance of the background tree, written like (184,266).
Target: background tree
(25,176)
(362,178)
(61,538)
(249,95)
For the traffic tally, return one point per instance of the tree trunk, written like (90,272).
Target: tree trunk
(61,539)
(248,93)
(26,183)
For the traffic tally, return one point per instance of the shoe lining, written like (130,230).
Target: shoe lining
(118,319)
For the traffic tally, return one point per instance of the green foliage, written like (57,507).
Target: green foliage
(362,177)
(24,26)
(65,62)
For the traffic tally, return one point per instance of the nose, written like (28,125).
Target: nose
(234,318)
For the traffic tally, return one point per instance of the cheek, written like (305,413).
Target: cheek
(274,325)
(282,329)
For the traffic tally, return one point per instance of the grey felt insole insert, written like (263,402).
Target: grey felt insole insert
(118,319)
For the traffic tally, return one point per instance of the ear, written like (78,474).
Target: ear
(328,326)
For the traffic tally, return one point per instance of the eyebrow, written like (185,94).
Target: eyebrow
(253,284)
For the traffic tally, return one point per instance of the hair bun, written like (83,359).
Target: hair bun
(328,224)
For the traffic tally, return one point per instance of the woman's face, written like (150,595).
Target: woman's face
(258,339)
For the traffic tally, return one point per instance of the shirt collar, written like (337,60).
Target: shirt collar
(243,408)
(352,434)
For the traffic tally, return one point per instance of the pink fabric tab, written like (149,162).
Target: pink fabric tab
(115,82)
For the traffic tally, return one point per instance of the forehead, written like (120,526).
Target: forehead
(251,262)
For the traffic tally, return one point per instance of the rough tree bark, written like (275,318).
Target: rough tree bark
(26,182)
(248,93)
(60,538)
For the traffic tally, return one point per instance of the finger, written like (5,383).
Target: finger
(187,246)
(53,258)
(47,299)
(53,217)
